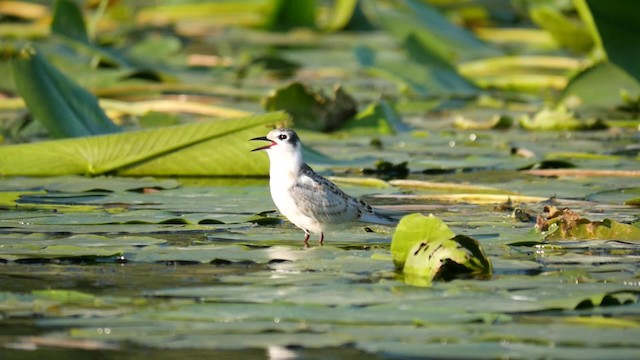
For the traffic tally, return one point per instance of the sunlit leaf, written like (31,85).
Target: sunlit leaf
(566,32)
(414,229)
(245,12)
(445,259)
(193,149)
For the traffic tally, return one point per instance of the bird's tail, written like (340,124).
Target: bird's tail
(379,219)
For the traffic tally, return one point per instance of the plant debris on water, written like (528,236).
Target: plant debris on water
(135,221)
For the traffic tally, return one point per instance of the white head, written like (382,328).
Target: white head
(285,147)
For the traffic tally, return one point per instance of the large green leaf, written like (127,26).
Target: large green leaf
(63,107)
(618,25)
(218,147)
(600,87)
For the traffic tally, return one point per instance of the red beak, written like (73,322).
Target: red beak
(264,138)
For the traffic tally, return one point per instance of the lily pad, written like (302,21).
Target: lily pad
(412,231)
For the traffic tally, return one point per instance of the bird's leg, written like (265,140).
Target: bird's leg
(321,241)
(306,239)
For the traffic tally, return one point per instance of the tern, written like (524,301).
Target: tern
(306,199)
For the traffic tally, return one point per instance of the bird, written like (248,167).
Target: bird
(308,200)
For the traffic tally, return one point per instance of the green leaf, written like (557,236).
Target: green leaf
(427,250)
(414,229)
(379,118)
(63,107)
(599,87)
(68,22)
(424,71)
(291,14)
(618,25)
(445,259)
(431,27)
(567,33)
(341,14)
(215,148)
(444,72)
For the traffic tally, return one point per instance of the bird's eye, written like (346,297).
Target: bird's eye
(282,137)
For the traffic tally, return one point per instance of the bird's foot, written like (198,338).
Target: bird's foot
(306,240)
(321,241)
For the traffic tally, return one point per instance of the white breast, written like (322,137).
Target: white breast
(280,185)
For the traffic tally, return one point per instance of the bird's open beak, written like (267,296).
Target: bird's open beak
(263,138)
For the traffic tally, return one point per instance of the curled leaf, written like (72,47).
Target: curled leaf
(446,259)
(427,250)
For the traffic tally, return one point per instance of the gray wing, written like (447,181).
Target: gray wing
(322,200)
